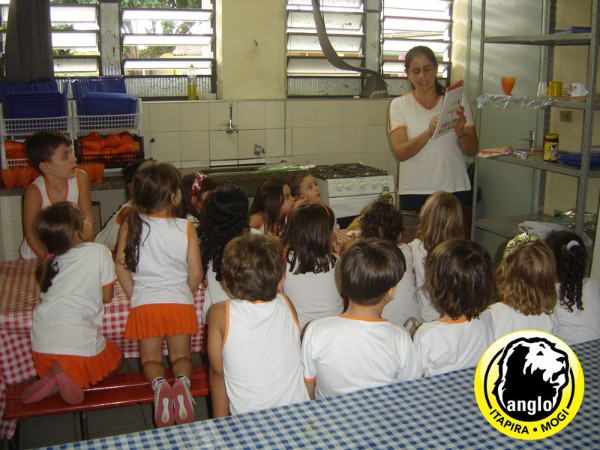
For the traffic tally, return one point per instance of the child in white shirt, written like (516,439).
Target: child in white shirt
(440,219)
(460,282)
(525,281)
(310,278)
(254,339)
(76,279)
(578,307)
(359,349)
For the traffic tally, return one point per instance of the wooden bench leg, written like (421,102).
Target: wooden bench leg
(83,420)
(13,442)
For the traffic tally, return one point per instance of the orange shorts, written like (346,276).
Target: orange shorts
(85,371)
(160,320)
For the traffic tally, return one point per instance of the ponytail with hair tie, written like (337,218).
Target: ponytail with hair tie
(572,244)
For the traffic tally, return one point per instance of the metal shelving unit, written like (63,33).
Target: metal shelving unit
(507,226)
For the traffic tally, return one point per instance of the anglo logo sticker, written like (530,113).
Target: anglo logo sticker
(529,384)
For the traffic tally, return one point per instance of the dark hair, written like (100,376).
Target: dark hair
(295,182)
(308,239)
(525,279)
(223,217)
(370,268)
(55,226)
(129,169)
(421,50)
(459,277)
(268,200)
(571,260)
(253,266)
(187,207)
(40,146)
(154,184)
(381,220)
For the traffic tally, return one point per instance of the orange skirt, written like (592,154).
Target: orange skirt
(160,320)
(85,371)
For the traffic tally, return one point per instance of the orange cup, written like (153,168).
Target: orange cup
(23,177)
(98,172)
(9,178)
(508,83)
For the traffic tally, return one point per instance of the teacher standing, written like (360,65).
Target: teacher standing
(427,165)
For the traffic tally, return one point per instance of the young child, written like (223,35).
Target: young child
(51,153)
(310,277)
(109,232)
(271,206)
(383,220)
(359,349)
(525,280)
(460,282)
(440,219)
(76,278)
(159,267)
(195,188)
(254,340)
(224,216)
(304,189)
(578,308)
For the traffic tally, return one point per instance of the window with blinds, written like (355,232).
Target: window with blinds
(408,23)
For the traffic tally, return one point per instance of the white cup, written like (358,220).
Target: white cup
(542,89)
(578,90)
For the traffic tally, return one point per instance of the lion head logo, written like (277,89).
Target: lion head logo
(533,374)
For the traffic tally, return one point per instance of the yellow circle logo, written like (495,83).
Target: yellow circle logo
(529,384)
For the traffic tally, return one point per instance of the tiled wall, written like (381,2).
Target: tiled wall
(191,134)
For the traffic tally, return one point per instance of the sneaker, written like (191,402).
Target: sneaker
(39,390)
(163,398)
(69,390)
(182,402)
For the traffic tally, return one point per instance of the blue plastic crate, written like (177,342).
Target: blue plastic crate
(23,105)
(107,104)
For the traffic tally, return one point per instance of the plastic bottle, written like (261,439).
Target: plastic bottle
(192,91)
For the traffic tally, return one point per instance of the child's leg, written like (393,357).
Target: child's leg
(46,386)
(180,355)
(151,357)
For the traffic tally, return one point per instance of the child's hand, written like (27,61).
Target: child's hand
(300,200)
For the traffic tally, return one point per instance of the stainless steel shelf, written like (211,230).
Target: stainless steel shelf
(543,39)
(508,227)
(535,160)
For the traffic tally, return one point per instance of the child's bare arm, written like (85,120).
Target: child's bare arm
(194,259)
(108,292)
(310,387)
(123,274)
(216,331)
(85,204)
(32,205)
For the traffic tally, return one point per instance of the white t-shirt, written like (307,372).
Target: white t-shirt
(343,354)
(214,291)
(162,270)
(261,356)
(405,303)
(505,319)
(40,185)
(314,295)
(444,346)
(440,165)
(580,325)
(428,311)
(110,231)
(69,318)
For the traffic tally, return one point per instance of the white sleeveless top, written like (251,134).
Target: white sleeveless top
(261,355)
(40,185)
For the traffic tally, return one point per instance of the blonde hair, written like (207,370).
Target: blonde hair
(525,279)
(440,219)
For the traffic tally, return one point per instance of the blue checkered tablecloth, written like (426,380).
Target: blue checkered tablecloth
(435,412)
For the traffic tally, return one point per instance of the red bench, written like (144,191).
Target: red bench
(120,389)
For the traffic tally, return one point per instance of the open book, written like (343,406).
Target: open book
(452,101)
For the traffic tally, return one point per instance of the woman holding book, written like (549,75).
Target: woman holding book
(428,165)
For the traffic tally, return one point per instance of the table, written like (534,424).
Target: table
(19,294)
(435,412)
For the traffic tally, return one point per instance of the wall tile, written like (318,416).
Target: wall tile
(377,138)
(223,145)
(11,206)
(247,139)
(288,142)
(166,146)
(304,141)
(355,113)
(194,116)
(164,117)
(275,114)
(195,145)
(275,142)
(251,115)
(11,234)
(218,115)
(329,141)
(377,111)
(303,114)
(146,112)
(330,113)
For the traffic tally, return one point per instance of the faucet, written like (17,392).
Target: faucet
(231,128)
